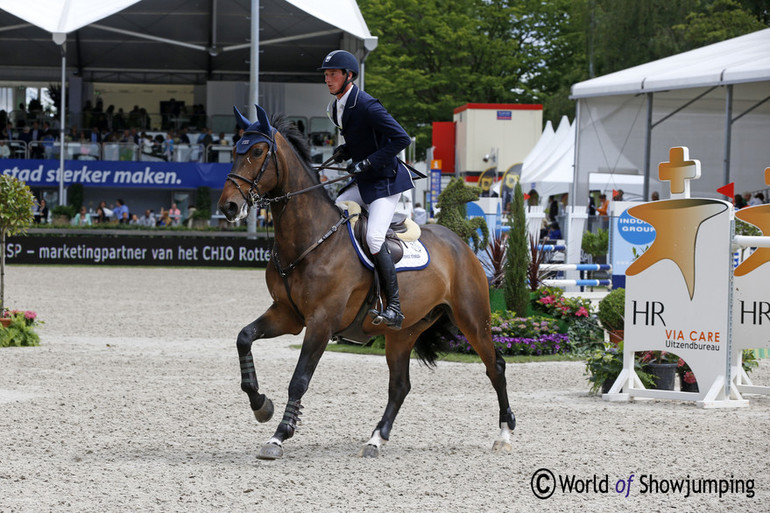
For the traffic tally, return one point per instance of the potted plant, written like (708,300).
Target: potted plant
(62,214)
(604,365)
(687,381)
(611,313)
(18,329)
(662,365)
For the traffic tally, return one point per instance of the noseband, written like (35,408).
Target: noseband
(252,196)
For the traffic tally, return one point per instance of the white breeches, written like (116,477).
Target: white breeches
(381,213)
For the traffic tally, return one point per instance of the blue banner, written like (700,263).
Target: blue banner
(117,173)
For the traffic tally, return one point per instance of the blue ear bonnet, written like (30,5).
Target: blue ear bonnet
(259,131)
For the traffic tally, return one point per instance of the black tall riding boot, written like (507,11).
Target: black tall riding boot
(391,315)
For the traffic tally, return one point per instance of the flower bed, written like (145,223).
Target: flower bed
(520,336)
(21,331)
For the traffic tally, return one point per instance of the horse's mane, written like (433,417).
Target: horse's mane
(299,142)
(292,134)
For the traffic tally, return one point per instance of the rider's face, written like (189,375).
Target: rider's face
(334,79)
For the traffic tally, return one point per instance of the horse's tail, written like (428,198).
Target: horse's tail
(435,340)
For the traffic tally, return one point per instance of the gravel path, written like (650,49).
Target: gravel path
(132,403)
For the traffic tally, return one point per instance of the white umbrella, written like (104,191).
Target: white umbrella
(60,17)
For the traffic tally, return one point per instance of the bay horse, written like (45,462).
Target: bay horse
(318,283)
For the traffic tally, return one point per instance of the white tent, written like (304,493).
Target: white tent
(713,100)
(60,17)
(548,168)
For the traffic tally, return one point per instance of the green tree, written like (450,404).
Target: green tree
(436,55)
(720,20)
(517,256)
(16,203)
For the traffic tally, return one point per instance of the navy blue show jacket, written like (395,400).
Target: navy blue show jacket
(370,132)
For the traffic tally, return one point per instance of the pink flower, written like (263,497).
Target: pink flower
(582,312)
(689,377)
(547,300)
(680,363)
(29,314)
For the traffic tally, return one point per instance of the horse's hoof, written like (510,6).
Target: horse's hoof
(266,412)
(370,451)
(270,452)
(502,447)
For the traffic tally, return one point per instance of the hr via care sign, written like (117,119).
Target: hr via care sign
(678,290)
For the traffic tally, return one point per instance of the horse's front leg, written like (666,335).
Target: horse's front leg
(271,324)
(313,347)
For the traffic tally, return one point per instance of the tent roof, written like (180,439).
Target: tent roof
(176,41)
(741,59)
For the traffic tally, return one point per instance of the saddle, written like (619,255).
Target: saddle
(401,230)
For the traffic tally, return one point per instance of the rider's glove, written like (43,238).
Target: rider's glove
(341,154)
(363,166)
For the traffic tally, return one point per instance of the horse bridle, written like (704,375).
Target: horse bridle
(252,196)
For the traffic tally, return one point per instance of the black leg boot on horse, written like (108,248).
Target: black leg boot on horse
(386,270)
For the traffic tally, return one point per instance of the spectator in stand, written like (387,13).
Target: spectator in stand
(618,195)
(168,146)
(591,206)
(553,209)
(5,151)
(121,212)
(134,220)
(605,205)
(8,132)
(175,214)
(96,136)
(25,135)
(554,231)
(164,220)
(222,140)
(82,218)
(183,137)
(739,202)
(419,214)
(101,215)
(655,196)
(238,135)
(148,219)
(41,216)
(758,199)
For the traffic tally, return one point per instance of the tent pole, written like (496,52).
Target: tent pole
(575,171)
(251,220)
(62,122)
(647,145)
(728,132)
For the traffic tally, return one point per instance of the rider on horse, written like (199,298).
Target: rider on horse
(373,140)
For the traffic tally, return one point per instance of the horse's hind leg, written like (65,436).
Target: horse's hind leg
(398,348)
(269,325)
(476,328)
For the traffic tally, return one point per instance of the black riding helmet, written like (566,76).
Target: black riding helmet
(340,59)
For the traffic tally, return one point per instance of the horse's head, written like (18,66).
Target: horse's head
(255,167)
